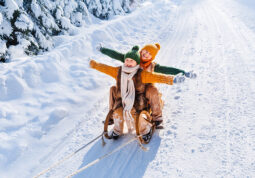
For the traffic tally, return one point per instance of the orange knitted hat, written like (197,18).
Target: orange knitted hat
(152,49)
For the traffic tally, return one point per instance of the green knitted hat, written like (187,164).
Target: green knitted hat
(133,54)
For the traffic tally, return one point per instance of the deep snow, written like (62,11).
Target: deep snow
(52,104)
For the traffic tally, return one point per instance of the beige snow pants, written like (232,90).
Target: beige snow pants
(152,95)
(143,125)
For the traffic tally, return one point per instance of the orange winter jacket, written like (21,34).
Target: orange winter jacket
(147,77)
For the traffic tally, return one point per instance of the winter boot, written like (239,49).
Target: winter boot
(114,135)
(159,125)
(147,137)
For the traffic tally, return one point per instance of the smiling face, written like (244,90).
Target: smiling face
(145,55)
(130,62)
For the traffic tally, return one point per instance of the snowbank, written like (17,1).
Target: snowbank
(43,99)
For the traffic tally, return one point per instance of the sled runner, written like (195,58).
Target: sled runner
(147,116)
(144,114)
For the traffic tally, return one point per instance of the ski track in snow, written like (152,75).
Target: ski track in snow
(209,126)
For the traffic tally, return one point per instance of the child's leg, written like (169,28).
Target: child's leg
(144,124)
(154,99)
(118,121)
(112,99)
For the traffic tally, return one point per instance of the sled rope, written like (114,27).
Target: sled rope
(67,157)
(102,157)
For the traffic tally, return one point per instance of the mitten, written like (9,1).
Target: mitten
(179,79)
(99,46)
(190,74)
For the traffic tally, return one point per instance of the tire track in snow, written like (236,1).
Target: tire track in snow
(231,63)
(242,99)
(221,137)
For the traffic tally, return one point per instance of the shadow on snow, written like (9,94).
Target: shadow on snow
(130,161)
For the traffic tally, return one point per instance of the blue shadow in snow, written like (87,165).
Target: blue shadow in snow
(130,161)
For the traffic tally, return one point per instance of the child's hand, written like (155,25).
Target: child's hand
(99,46)
(190,74)
(92,63)
(179,79)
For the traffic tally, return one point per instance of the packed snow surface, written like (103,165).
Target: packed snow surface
(52,104)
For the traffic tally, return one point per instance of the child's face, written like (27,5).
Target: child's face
(130,62)
(145,55)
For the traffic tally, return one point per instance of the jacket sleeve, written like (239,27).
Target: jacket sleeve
(167,70)
(112,53)
(151,77)
(109,70)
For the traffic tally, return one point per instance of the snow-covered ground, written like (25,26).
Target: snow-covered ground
(51,105)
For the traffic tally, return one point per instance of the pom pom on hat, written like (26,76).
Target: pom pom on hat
(158,45)
(135,48)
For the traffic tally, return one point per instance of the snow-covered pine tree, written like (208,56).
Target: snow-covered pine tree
(29,25)
(104,9)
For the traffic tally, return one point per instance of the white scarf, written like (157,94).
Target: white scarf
(128,94)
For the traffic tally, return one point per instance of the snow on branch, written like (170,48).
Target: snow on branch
(31,24)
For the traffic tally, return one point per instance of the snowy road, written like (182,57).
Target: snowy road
(209,122)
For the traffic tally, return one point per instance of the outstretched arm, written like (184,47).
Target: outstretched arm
(112,53)
(150,77)
(167,70)
(109,70)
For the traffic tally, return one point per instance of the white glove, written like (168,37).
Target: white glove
(99,46)
(179,78)
(190,74)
